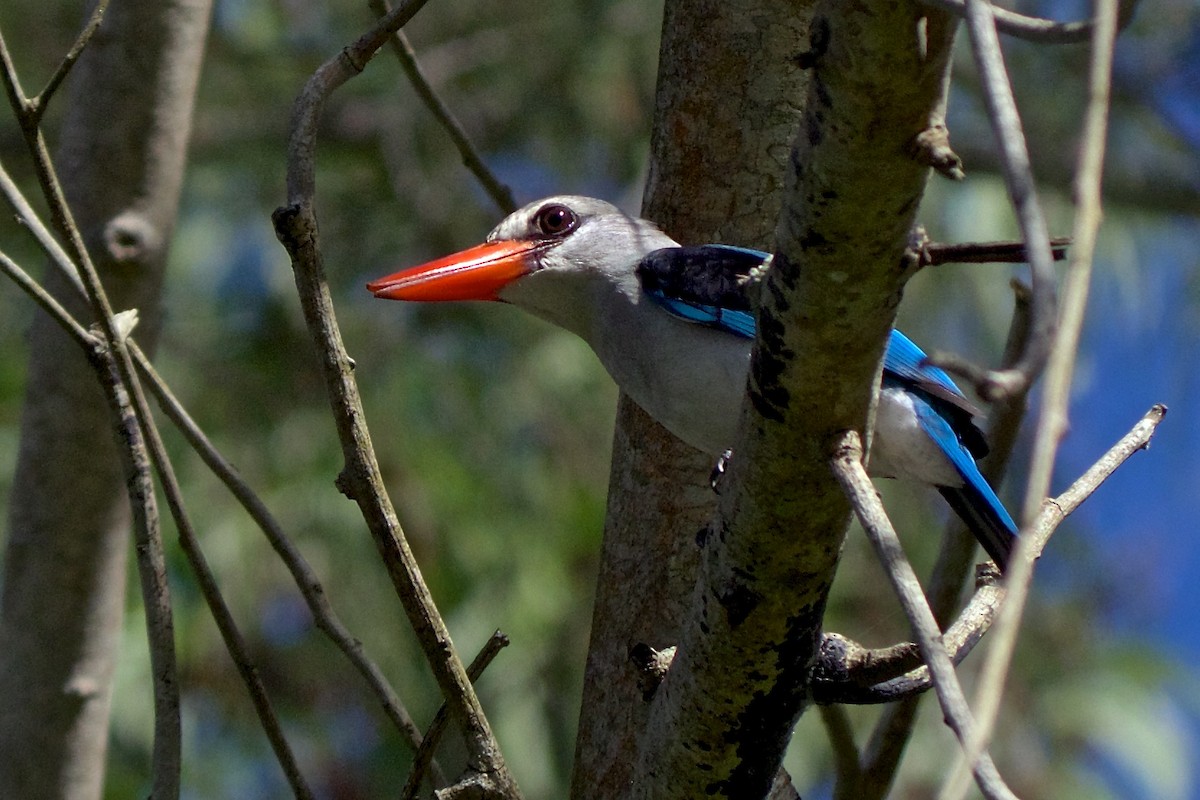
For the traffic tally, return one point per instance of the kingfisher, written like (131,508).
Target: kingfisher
(674,325)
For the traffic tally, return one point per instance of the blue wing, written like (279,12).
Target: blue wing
(707,285)
(907,362)
(704,285)
(740,323)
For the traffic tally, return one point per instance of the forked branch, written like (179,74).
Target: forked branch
(846,670)
(296,227)
(852,476)
(110,360)
(1038,29)
(850,673)
(1052,417)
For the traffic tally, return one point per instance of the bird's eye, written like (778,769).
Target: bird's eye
(555,220)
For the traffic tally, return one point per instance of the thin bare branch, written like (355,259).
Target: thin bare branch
(934,253)
(324,617)
(1052,420)
(1022,190)
(852,476)
(52,190)
(234,642)
(1038,29)
(329,76)
(296,228)
(26,216)
(306,580)
(12,82)
(47,302)
(500,193)
(850,673)
(881,757)
(1056,510)
(424,755)
(41,102)
(224,619)
(115,370)
(167,762)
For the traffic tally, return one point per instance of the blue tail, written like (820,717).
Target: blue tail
(974,501)
(990,524)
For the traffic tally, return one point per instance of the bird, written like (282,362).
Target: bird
(674,326)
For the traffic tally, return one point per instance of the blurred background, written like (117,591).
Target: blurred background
(494,430)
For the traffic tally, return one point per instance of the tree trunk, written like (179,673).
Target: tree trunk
(722,719)
(121,160)
(727,99)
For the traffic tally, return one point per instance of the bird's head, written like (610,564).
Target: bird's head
(542,257)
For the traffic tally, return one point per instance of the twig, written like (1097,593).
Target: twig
(1037,29)
(852,476)
(115,371)
(1052,420)
(233,639)
(328,77)
(26,216)
(843,663)
(424,755)
(234,643)
(28,118)
(955,556)
(324,617)
(500,193)
(167,761)
(296,227)
(1022,190)
(310,587)
(934,253)
(847,672)
(1056,510)
(48,303)
(41,102)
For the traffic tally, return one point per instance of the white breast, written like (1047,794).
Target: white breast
(688,377)
(692,378)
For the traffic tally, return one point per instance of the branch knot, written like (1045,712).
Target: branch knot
(130,238)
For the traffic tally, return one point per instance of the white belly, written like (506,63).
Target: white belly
(688,377)
(902,449)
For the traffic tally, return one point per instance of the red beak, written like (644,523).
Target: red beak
(475,274)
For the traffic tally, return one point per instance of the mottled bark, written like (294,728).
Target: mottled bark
(724,715)
(121,158)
